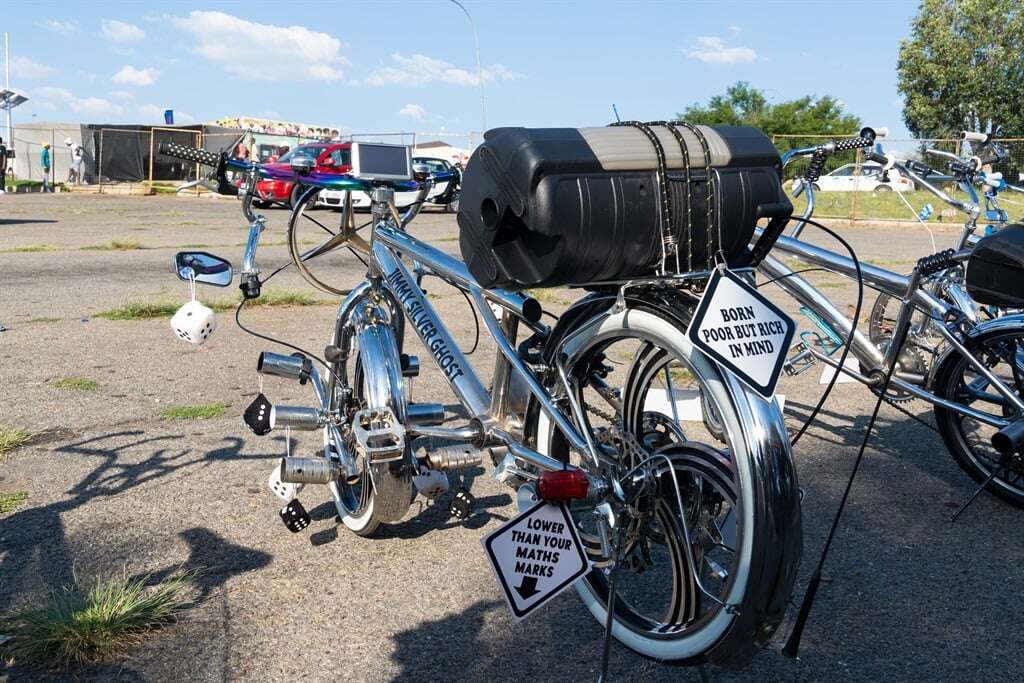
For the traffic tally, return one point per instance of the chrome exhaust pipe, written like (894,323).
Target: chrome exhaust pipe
(308,471)
(297,417)
(296,367)
(425,414)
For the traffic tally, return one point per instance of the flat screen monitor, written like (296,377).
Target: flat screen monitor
(377,161)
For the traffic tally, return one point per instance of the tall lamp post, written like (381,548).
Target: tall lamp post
(9,99)
(479,69)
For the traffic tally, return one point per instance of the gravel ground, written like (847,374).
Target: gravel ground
(113,487)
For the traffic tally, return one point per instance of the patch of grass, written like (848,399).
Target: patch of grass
(127,244)
(882,205)
(681,374)
(196,412)
(11,500)
(136,309)
(75,383)
(446,239)
(11,438)
(140,309)
(28,249)
(548,296)
(193,246)
(829,285)
(88,623)
(285,297)
(43,320)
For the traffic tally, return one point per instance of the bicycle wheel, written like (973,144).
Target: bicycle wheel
(320,243)
(642,383)
(383,492)
(968,440)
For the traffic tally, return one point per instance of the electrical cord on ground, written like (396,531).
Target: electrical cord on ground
(849,338)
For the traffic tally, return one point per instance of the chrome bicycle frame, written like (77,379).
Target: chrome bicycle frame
(872,360)
(491,414)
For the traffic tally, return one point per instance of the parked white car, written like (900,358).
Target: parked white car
(334,198)
(863,178)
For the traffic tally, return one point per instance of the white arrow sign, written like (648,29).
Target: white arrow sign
(535,557)
(742,330)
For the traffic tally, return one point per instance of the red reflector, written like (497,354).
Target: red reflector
(563,485)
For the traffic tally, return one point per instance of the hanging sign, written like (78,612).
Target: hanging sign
(536,556)
(742,331)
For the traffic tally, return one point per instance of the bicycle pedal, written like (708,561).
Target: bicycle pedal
(379,435)
(462,504)
(800,362)
(257,415)
(295,516)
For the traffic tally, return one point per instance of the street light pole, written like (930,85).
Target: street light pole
(7,86)
(479,68)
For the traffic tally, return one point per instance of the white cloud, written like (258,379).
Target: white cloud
(155,113)
(712,50)
(129,75)
(122,95)
(413,111)
(421,70)
(59,97)
(23,67)
(735,30)
(119,32)
(264,51)
(65,28)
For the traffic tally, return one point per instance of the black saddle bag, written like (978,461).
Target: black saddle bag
(545,207)
(995,270)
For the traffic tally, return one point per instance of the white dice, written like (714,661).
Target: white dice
(194,323)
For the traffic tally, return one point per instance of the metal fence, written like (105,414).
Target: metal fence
(130,154)
(863,204)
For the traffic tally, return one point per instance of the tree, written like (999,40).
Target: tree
(743,105)
(963,68)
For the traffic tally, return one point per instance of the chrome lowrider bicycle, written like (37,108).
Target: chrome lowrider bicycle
(693,530)
(970,369)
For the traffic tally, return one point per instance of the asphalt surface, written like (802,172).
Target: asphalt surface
(114,488)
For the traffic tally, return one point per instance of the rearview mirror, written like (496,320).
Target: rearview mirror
(303,165)
(203,267)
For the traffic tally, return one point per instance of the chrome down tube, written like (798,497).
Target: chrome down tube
(805,293)
(446,353)
(451,269)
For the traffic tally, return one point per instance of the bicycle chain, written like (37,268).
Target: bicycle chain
(635,449)
(898,406)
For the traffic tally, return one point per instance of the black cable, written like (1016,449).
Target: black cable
(293,347)
(792,647)
(795,272)
(476,323)
(849,338)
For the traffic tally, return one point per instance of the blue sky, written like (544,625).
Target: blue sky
(389,66)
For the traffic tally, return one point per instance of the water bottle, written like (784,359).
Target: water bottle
(925,213)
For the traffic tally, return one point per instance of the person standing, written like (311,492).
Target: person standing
(44,162)
(77,157)
(3,166)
